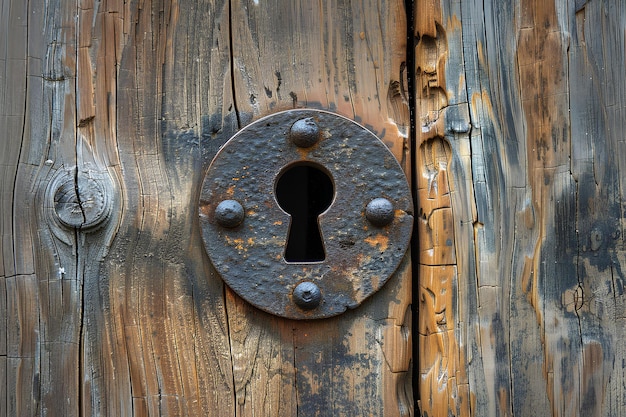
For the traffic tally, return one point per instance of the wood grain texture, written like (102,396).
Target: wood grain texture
(128,317)
(442,130)
(346,57)
(537,206)
(519,109)
(20,316)
(165,322)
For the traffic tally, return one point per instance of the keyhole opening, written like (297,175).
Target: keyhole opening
(304,191)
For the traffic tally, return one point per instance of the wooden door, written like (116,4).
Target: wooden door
(128,102)
(506,116)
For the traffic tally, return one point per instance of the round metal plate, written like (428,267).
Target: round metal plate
(360,256)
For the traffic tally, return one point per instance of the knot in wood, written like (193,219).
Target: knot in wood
(79,200)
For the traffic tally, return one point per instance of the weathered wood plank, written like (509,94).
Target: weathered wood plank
(3,387)
(13,16)
(347,57)
(47,148)
(3,323)
(269,386)
(165,312)
(22,345)
(495,197)
(149,322)
(19,395)
(519,109)
(72,121)
(442,137)
(534,198)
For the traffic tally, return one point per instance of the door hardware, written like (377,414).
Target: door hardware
(305,213)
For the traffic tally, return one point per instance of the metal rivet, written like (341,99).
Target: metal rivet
(307,295)
(304,133)
(80,207)
(229,213)
(379,212)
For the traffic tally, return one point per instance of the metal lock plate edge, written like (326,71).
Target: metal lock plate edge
(360,256)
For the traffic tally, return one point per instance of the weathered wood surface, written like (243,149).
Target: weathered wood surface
(111,112)
(519,158)
(520,114)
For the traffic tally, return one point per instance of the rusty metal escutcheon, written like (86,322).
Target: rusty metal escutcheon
(365,231)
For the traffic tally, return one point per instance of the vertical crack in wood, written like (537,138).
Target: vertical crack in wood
(409,6)
(78,197)
(225,289)
(79,275)
(295,369)
(81,322)
(232,63)
(15,366)
(230,348)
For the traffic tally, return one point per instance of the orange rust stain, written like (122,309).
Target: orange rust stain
(230,191)
(278,223)
(304,152)
(399,213)
(237,243)
(375,281)
(204,209)
(379,240)
(361,258)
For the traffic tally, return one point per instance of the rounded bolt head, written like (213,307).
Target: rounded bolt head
(380,212)
(229,213)
(307,295)
(305,133)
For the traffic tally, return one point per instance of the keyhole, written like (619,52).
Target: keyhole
(304,191)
